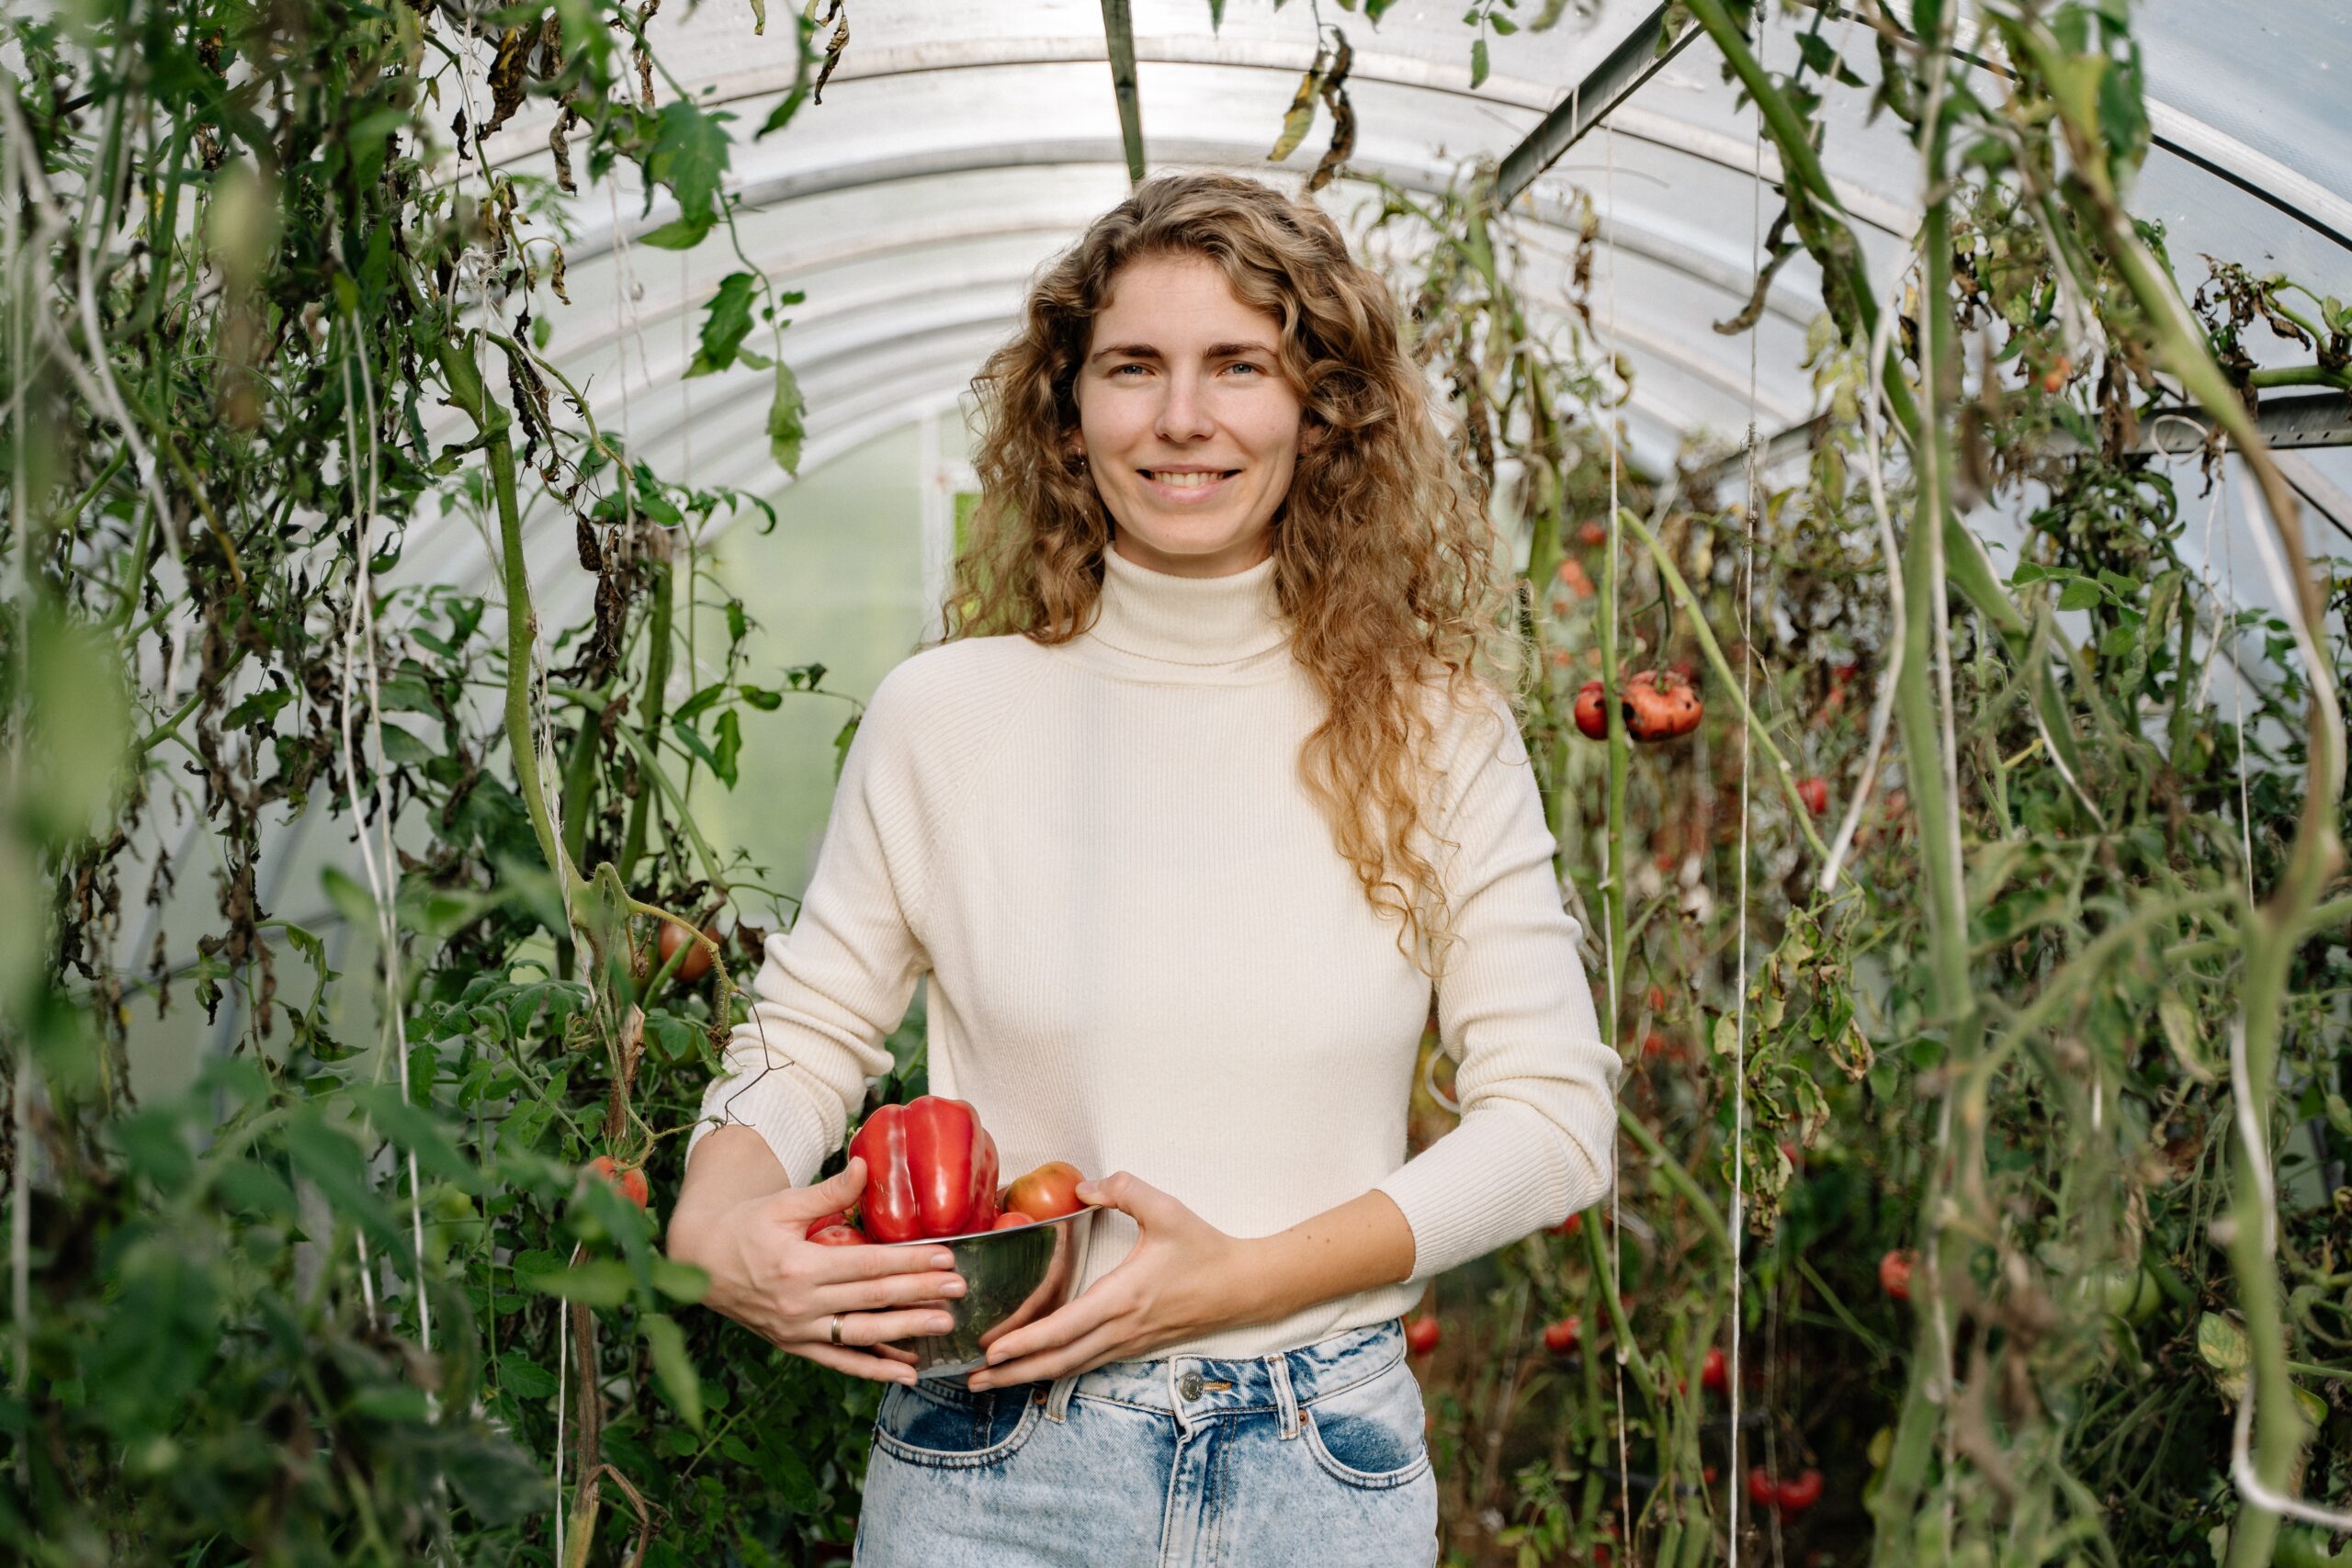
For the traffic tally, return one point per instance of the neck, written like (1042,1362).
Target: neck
(1188,620)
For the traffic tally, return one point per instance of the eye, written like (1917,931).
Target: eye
(1246,364)
(1117,369)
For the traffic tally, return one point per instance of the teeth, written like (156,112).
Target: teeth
(1187,481)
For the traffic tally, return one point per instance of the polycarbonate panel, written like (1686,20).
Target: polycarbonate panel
(2273,76)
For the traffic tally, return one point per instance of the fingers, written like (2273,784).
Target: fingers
(1073,1324)
(889,1290)
(881,1262)
(869,1329)
(838,1190)
(856,1363)
(1088,1352)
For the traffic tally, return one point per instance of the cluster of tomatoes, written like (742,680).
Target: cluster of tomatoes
(1786,1498)
(931,1172)
(1659,704)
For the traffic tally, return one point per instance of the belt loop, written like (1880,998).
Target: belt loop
(1058,1398)
(1285,1402)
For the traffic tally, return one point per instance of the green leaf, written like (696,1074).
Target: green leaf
(153,1147)
(680,1282)
(406,749)
(249,1186)
(2222,1344)
(729,745)
(80,728)
(1819,58)
(694,707)
(596,1281)
(262,704)
(689,155)
(523,1378)
(674,1366)
(725,324)
(417,1132)
(2080,594)
(1477,64)
(761,697)
(786,431)
(842,738)
(331,1160)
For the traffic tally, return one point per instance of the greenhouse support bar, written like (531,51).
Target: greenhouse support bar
(1637,57)
(1119,32)
(2289,423)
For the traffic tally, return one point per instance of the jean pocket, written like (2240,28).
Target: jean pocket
(948,1427)
(1370,1436)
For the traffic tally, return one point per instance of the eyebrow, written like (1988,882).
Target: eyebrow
(1146,351)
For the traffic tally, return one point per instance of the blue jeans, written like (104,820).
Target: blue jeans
(1315,1456)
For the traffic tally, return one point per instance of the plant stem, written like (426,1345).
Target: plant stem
(657,682)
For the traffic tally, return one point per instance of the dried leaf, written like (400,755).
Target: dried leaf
(1343,115)
(833,47)
(1300,118)
(507,76)
(561,150)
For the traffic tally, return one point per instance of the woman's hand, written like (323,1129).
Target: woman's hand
(766,1275)
(1184,1277)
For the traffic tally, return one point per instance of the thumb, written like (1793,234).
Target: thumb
(1130,1194)
(838,1190)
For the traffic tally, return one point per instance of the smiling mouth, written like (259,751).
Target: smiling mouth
(1187,481)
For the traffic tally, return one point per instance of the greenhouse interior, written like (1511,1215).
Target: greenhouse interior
(471,467)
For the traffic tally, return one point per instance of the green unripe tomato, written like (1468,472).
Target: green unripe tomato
(2301,1548)
(2132,1294)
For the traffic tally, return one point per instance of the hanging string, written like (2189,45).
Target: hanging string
(1616,986)
(1737,1216)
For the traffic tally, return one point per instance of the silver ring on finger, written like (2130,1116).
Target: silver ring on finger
(837,1328)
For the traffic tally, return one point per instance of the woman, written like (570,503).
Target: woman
(1202,797)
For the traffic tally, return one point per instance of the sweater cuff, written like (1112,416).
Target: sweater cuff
(777,1106)
(1505,1172)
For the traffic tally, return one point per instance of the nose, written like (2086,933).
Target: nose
(1184,413)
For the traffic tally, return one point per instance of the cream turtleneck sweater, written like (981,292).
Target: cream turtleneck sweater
(1146,954)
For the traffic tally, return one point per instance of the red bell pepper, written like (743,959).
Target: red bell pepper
(930,1170)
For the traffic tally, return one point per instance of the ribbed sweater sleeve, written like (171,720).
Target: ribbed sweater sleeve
(833,986)
(1535,1081)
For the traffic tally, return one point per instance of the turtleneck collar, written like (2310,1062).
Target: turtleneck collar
(1200,621)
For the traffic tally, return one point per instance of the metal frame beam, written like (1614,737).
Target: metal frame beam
(1637,57)
(1119,37)
(2301,422)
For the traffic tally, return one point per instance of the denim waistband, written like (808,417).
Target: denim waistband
(1192,1388)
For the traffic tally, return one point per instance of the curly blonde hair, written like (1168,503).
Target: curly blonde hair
(1385,563)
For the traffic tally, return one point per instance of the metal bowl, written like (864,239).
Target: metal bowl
(1010,1277)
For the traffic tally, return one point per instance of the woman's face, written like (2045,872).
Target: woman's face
(1189,426)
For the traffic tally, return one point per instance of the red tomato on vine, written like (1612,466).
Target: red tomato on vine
(1895,1274)
(629,1182)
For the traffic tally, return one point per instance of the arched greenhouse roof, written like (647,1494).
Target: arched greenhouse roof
(958,146)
